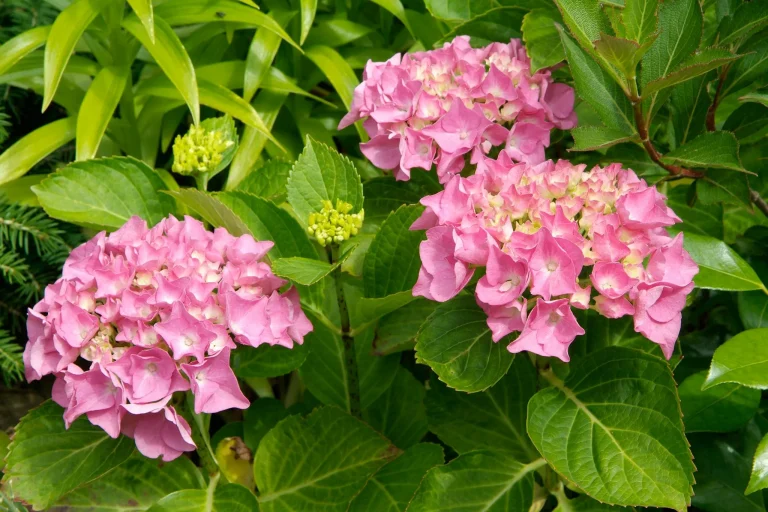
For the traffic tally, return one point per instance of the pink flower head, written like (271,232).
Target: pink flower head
(553,269)
(442,276)
(658,315)
(135,307)
(504,280)
(549,331)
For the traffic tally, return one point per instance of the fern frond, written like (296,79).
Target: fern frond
(20,223)
(13,268)
(11,363)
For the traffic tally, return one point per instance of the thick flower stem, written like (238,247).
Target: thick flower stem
(350,358)
(261,386)
(202,439)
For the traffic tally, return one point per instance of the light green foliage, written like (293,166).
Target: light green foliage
(334,224)
(199,150)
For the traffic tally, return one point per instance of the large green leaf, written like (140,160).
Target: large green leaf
(541,38)
(308,10)
(105,193)
(224,498)
(304,271)
(46,461)
(711,149)
(718,409)
(749,18)
(456,343)
(616,419)
(590,138)
(640,18)
(134,485)
(268,361)
(689,102)
(697,219)
(211,210)
(172,58)
(759,478)
(720,268)
(597,88)
(260,417)
(13,50)
(268,181)
(396,331)
(319,463)
(499,24)
(64,35)
(391,488)
(399,412)
(322,174)
(383,195)
(723,186)
(749,68)
(680,24)
(748,123)
(143,9)
(585,20)
(742,359)
(97,108)
(33,147)
(491,420)
(392,263)
(261,53)
(481,480)
(325,371)
(695,65)
(753,309)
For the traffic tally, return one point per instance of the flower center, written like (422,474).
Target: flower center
(152,368)
(188,342)
(552,266)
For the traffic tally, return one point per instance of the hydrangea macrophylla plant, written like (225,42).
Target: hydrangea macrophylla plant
(438,106)
(141,314)
(199,150)
(535,227)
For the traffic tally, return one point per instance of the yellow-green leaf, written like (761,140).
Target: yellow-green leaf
(17,47)
(30,149)
(97,108)
(308,10)
(143,9)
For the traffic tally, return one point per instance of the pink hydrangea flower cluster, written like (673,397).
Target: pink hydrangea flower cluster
(536,229)
(142,313)
(442,105)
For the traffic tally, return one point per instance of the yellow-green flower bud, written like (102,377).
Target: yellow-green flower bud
(334,225)
(199,150)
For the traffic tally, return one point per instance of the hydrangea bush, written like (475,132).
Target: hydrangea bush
(524,273)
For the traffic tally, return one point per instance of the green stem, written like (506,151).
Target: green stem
(350,358)
(294,391)
(202,439)
(563,503)
(261,386)
(212,484)
(202,181)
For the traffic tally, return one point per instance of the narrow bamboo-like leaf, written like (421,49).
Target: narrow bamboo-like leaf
(493,25)
(542,40)
(97,108)
(172,58)
(590,138)
(397,10)
(742,359)
(711,149)
(143,9)
(16,48)
(308,10)
(261,53)
(337,32)
(336,69)
(189,12)
(33,147)
(64,35)
(695,65)
(617,433)
(720,267)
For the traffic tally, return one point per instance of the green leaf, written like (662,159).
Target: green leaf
(268,181)
(318,463)
(711,149)
(590,138)
(542,40)
(16,48)
(266,221)
(597,88)
(749,68)
(499,24)
(742,359)
(260,417)
(748,19)
(586,504)
(134,485)
(585,20)
(397,330)
(262,52)
(697,64)
(723,186)
(722,408)
(384,195)
(391,488)
(758,480)
(322,174)
(399,412)
(211,210)
(189,12)
(143,9)
(492,420)
(617,432)
(689,102)
(25,153)
(392,263)
(748,123)
(398,11)
(623,54)
(753,309)
(308,10)
(97,108)
(64,35)
(105,193)
(172,58)
(456,343)
(337,32)
(224,498)
(680,25)
(367,310)
(697,219)
(325,370)
(456,10)
(640,18)
(304,271)
(267,361)
(481,480)
(46,460)
(755,97)
(720,268)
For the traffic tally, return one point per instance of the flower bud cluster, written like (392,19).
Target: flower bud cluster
(142,314)
(199,150)
(550,237)
(442,105)
(334,225)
